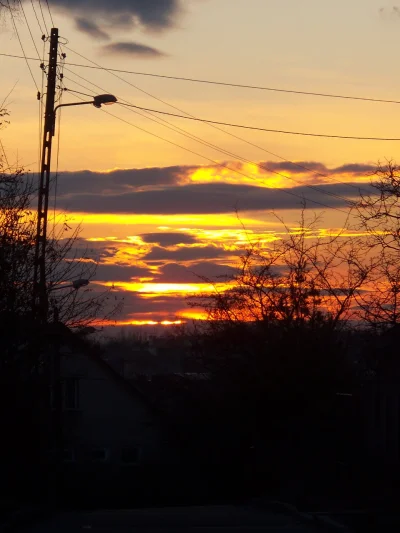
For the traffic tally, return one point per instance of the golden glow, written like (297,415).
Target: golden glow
(239,237)
(157,289)
(216,220)
(148,323)
(248,173)
(193,315)
(260,175)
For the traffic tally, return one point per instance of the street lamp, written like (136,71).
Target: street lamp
(98,101)
(76,284)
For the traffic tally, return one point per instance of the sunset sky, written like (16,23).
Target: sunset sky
(158,209)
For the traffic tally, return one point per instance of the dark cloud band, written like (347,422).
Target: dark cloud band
(209,198)
(170,191)
(152,14)
(91,28)
(131,49)
(118,181)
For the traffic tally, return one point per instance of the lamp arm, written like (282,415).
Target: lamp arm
(65,105)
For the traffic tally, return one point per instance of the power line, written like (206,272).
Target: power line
(77,92)
(230,134)
(191,116)
(229,124)
(256,87)
(194,118)
(302,198)
(22,48)
(44,20)
(20,57)
(212,126)
(29,28)
(260,88)
(49,10)
(219,149)
(37,19)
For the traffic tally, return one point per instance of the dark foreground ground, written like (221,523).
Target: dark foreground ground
(209,519)
(357,501)
(259,515)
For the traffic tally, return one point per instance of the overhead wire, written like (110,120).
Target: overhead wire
(148,110)
(29,28)
(223,150)
(49,10)
(216,163)
(230,134)
(313,171)
(247,127)
(78,92)
(203,120)
(44,20)
(192,117)
(37,18)
(261,88)
(219,149)
(238,85)
(21,45)
(243,126)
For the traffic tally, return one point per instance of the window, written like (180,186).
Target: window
(130,455)
(99,455)
(71,393)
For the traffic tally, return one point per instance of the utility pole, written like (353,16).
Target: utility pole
(40,300)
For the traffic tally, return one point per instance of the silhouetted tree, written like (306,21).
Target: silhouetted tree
(379,218)
(304,279)
(65,262)
(275,344)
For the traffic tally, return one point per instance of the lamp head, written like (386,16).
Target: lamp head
(106,99)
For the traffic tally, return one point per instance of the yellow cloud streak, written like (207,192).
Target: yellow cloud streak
(192,315)
(148,323)
(218,220)
(149,290)
(257,175)
(250,174)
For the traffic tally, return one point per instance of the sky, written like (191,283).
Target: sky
(161,211)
